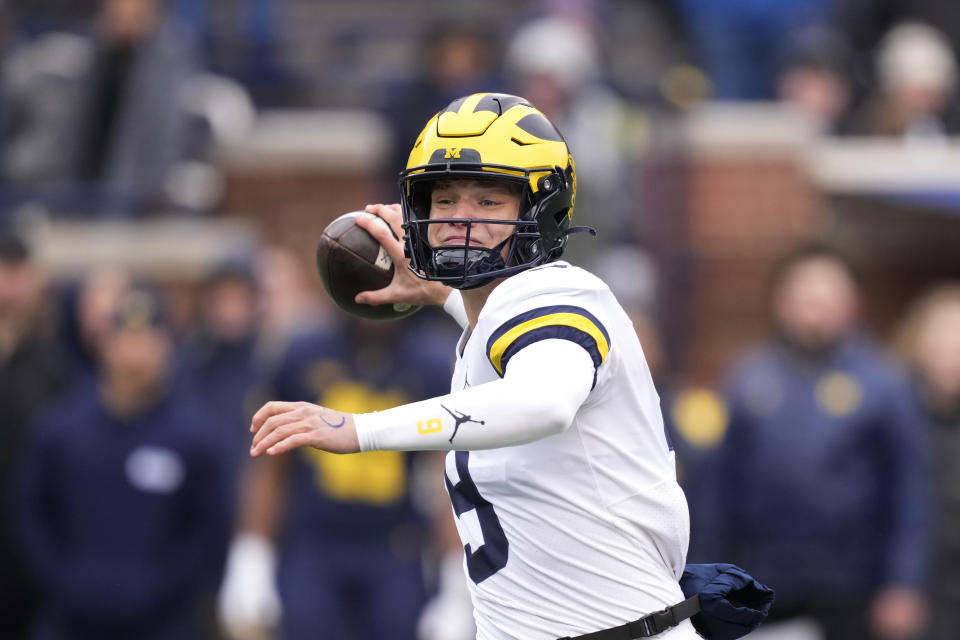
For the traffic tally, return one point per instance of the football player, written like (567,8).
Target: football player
(561,478)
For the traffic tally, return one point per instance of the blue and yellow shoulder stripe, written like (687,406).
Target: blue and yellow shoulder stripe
(565,322)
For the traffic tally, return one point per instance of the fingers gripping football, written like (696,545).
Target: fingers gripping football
(281,426)
(405,286)
(391,214)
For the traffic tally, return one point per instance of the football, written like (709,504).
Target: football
(349,261)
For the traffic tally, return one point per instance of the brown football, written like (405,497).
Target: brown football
(349,261)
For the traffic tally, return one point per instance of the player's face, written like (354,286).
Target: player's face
(473,200)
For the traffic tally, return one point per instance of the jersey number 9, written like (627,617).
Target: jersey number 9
(491,555)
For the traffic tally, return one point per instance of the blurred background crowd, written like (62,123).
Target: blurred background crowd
(776,187)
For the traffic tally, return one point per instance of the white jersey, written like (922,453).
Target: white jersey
(581,530)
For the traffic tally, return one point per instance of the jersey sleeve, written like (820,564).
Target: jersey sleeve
(549,310)
(538,397)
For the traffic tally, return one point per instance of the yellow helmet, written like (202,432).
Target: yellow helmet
(490,136)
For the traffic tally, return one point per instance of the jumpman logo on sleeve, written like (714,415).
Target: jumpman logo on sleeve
(460,419)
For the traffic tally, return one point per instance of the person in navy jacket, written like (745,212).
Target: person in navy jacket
(824,484)
(122,501)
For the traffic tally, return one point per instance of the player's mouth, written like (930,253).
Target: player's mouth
(455,240)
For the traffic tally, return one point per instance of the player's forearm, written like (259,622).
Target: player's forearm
(467,419)
(544,386)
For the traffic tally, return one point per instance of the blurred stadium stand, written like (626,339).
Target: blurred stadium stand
(721,187)
(348,52)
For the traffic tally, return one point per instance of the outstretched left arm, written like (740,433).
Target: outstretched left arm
(543,387)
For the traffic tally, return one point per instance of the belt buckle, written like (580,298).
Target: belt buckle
(657,622)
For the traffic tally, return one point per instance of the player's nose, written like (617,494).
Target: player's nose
(457,216)
(462,209)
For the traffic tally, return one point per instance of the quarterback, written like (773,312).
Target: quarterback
(560,474)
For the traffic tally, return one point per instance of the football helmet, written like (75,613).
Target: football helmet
(489,136)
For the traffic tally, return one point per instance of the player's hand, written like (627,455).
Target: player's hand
(281,426)
(405,287)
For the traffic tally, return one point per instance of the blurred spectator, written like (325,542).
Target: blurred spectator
(246,40)
(815,79)
(649,53)
(221,360)
(915,97)
(95,123)
(335,542)
(824,485)
(929,339)
(32,371)
(555,63)
(289,305)
(740,43)
(122,503)
(459,57)
(86,315)
(864,23)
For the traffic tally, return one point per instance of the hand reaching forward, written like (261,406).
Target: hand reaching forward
(281,426)
(405,287)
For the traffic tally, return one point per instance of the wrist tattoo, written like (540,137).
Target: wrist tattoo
(343,420)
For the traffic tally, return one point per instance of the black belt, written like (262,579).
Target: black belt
(649,625)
